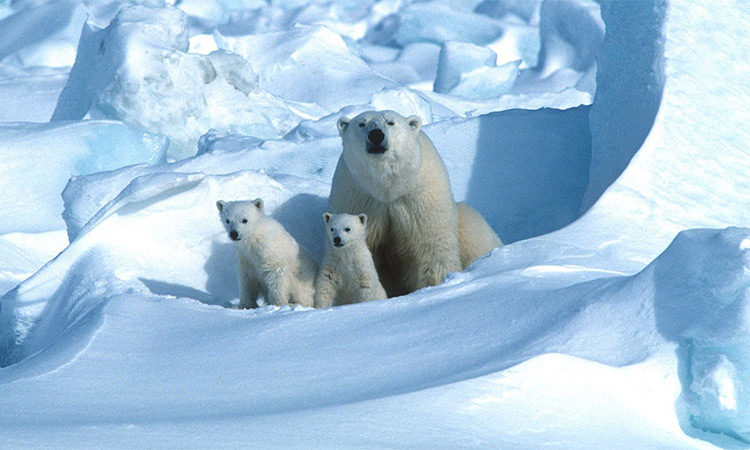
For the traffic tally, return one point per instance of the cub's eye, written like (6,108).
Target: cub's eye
(391,123)
(227,221)
(244,220)
(331,230)
(347,229)
(361,124)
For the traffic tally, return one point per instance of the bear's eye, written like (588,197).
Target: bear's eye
(244,220)
(361,124)
(391,123)
(331,230)
(347,229)
(227,221)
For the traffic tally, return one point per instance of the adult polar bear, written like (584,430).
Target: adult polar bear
(390,170)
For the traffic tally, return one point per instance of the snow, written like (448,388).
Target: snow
(613,166)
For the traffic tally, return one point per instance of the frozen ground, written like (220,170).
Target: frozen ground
(613,165)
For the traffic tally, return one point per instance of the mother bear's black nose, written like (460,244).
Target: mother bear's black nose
(376,136)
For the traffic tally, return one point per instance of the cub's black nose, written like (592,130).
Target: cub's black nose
(233,235)
(337,240)
(376,136)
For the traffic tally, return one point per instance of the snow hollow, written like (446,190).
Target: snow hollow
(605,142)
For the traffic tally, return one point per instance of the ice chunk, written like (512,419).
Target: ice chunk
(457,58)
(470,71)
(571,34)
(518,42)
(435,22)
(422,57)
(404,101)
(488,82)
(572,31)
(417,63)
(308,64)
(528,10)
(138,70)
(55,152)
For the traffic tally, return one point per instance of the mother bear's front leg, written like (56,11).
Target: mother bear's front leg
(427,246)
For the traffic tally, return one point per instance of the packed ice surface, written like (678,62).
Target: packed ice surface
(625,327)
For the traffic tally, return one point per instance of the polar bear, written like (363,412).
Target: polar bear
(347,274)
(390,171)
(272,263)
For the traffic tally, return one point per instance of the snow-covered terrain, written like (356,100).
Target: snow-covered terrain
(607,144)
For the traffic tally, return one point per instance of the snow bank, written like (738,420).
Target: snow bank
(138,70)
(162,259)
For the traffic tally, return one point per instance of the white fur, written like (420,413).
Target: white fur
(347,274)
(475,236)
(272,263)
(405,192)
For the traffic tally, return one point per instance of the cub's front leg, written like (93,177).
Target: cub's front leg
(249,286)
(325,288)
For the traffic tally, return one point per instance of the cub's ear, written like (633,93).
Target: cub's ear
(258,202)
(362,219)
(220,205)
(342,124)
(415,123)
(326,217)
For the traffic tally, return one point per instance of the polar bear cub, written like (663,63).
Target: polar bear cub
(272,263)
(347,274)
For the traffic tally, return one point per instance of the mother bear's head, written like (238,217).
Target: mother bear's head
(382,150)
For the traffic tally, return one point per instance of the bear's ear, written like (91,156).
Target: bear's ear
(220,205)
(415,123)
(258,204)
(362,219)
(342,124)
(326,217)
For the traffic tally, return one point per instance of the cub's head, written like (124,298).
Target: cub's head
(345,229)
(239,218)
(382,150)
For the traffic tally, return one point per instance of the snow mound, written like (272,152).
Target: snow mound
(137,70)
